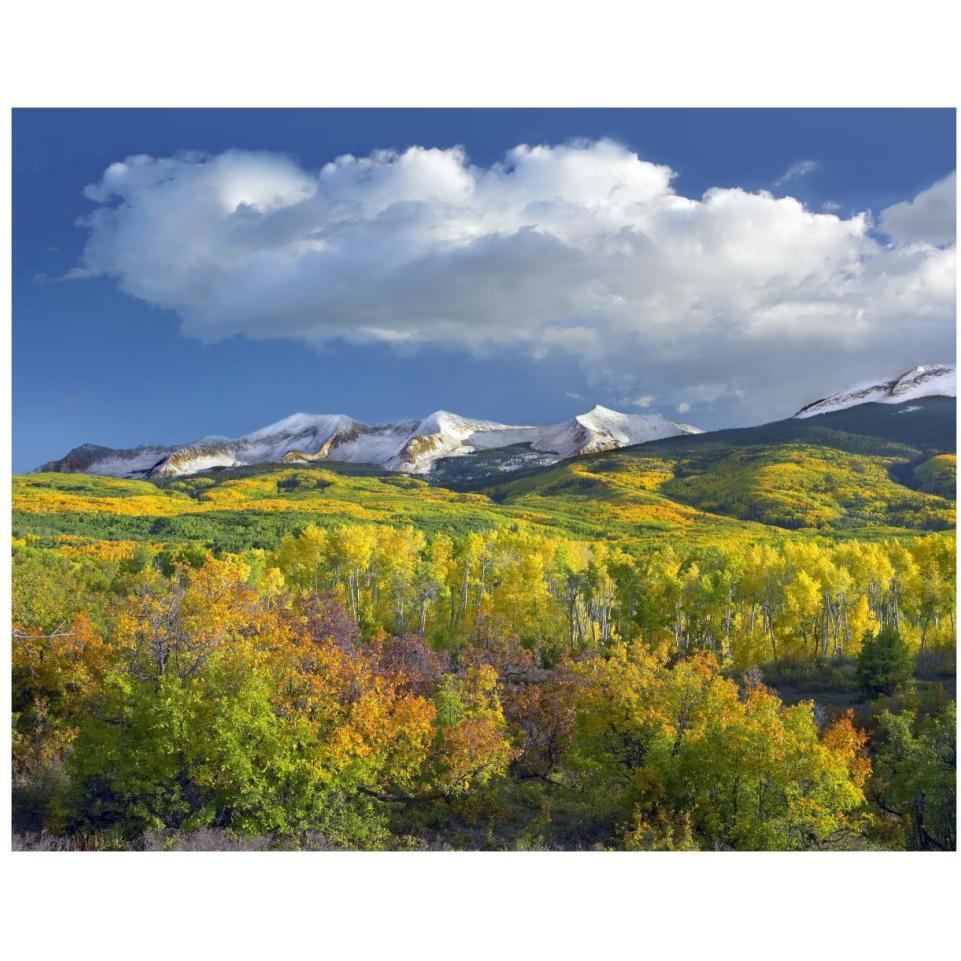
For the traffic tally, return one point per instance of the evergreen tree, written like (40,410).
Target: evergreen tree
(884,663)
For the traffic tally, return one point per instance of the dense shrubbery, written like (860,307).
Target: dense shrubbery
(369,686)
(915,777)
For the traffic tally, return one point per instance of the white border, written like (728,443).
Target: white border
(508,53)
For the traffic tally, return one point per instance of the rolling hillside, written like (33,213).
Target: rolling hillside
(871,469)
(256,506)
(874,470)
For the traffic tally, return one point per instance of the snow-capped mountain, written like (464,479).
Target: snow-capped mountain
(411,447)
(932,380)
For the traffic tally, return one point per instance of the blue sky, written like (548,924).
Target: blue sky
(189,356)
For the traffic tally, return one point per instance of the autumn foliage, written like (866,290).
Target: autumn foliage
(378,687)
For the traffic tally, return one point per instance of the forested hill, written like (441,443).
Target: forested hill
(909,432)
(927,423)
(922,428)
(870,467)
(870,471)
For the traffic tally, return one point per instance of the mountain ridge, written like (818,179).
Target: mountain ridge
(926,380)
(430,445)
(409,446)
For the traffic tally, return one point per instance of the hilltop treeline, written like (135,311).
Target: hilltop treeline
(367,686)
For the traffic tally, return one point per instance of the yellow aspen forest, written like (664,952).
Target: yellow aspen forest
(373,686)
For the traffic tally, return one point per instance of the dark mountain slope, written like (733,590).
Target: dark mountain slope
(855,469)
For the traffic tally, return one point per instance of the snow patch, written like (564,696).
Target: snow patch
(931,380)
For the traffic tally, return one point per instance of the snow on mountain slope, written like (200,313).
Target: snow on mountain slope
(299,424)
(444,434)
(932,380)
(411,447)
(626,429)
(603,429)
(94,459)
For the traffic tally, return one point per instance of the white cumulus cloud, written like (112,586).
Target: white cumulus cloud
(928,218)
(735,297)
